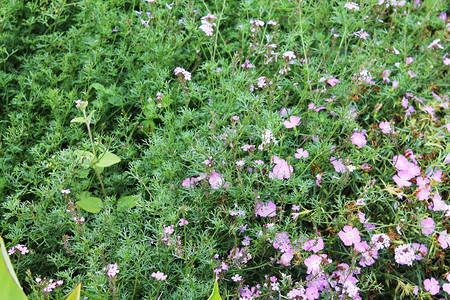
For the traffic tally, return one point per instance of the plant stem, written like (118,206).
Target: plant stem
(93,150)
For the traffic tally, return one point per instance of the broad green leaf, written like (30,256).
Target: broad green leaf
(77,120)
(98,86)
(108,159)
(83,173)
(90,116)
(90,204)
(126,202)
(75,294)
(9,284)
(215,294)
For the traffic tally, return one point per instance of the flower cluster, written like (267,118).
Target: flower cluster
(208,24)
(48,285)
(19,247)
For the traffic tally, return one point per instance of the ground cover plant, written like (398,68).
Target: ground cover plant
(286,149)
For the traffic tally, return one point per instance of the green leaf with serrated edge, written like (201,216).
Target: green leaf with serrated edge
(215,294)
(9,284)
(90,204)
(126,202)
(75,294)
(107,159)
(77,120)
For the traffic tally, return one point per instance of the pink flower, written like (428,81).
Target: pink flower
(394,84)
(182,73)
(431,285)
(159,275)
(350,235)
(216,180)
(409,60)
(21,248)
(183,222)
(405,255)
(318,179)
(311,293)
(427,226)
(301,153)
(262,82)
(380,241)
(236,278)
(207,29)
(359,139)
(314,262)
(113,270)
(67,192)
(444,239)
(293,122)
(333,81)
(314,245)
(361,34)
(289,55)
(385,127)
(266,209)
(446,287)
(189,183)
(351,6)
(286,258)
(435,44)
(281,170)
(429,110)
(338,165)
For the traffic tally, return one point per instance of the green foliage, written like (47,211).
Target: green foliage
(215,293)
(156,149)
(10,286)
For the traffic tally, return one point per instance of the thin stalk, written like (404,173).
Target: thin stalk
(93,150)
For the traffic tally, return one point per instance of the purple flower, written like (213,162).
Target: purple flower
(359,139)
(266,209)
(431,285)
(409,60)
(350,235)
